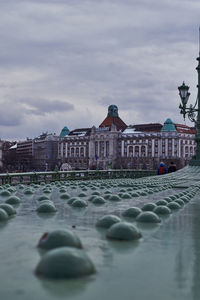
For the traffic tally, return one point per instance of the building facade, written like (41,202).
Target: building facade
(45,152)
(38,154)
(115,145)
(111,145)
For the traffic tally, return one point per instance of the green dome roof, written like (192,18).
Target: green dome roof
(168,126)
(64,132)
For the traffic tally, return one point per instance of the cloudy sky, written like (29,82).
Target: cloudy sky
(62,62)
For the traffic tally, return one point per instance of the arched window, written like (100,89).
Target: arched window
(96,148)
(130,149)
(72,152)
(186,151)
(77,152)
(82,152)
(137,151)
(143,151)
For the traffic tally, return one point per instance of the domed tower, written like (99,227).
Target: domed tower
(168,126)
(113,119)
(65,131)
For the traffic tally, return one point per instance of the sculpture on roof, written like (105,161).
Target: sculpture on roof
(113,111)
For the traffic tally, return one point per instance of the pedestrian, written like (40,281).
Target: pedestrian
(172,167)
(162,169)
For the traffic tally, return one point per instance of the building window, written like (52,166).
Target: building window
(137,151)
(82,152)
(96,148)
(143,151)
(130,151)
(77,152)
(107,148)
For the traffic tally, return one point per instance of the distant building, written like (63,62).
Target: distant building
(74,148)
(38,154)
(45,152)
(114,144)
(111,145)
(8,157)
(24,155)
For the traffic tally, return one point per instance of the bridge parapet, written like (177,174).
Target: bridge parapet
(37,177)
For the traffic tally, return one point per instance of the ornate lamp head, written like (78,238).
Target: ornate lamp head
(184,94)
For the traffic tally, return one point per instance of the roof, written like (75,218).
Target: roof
(110,120)
(80,132)
(131,131)
(64,132)
(155,127)
(13,147)
(168,126)
(185,129)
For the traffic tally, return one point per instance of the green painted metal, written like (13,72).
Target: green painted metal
(65,131)
(168,126)
(164,264)
(193,113)
(113,111)
(37,177)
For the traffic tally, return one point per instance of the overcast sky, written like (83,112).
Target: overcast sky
(63,62)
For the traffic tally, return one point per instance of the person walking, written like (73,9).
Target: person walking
(162,169)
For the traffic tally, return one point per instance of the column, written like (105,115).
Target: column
(66,148)
(139,151)
(153,147)
(159,147)
(179,148)
(173,147)
(122,149)
(166,148)
(104,149)
(98,149)
(184,151)
(61,149)
(146,151)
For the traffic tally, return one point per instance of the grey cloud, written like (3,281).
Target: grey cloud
(38,106)
(132,53)
(10,114)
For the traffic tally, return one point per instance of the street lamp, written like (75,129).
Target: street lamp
(193,112)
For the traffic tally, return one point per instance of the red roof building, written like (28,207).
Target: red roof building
(113,119)
(185,129)
(109,121)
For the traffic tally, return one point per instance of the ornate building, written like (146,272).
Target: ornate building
(114,144)
(39,154)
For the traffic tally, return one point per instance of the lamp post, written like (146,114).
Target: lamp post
(193,112)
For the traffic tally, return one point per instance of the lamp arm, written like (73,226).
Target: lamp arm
(192,116)
(196,103)
(188,109)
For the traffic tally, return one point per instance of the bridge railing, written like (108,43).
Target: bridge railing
(38,177)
